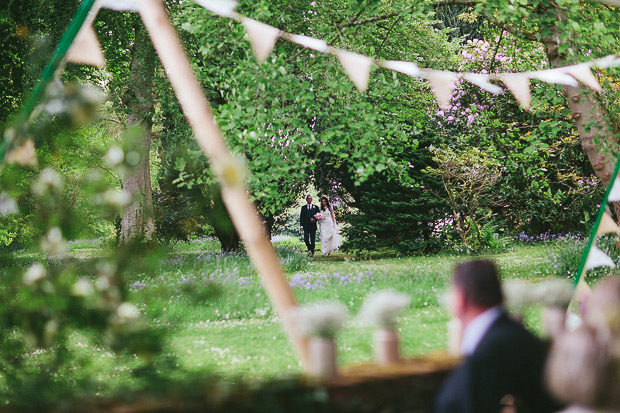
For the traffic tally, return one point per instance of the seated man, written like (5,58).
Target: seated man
(502,359)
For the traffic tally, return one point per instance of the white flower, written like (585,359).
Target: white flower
(107,268)
(133,158)
(382,307)
(115,156)
(102,283)
(113,198)
(127,311)
(554,293)
(8,205)
(518,294)
(48,180)
(82,288)
(53,243)
(550,293)
(322,319)
(34,274)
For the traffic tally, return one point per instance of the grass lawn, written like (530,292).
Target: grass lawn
(218,319)
(223,321)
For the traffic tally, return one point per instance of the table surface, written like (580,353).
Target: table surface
(414,366)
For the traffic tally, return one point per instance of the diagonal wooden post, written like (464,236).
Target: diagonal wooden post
(229,172)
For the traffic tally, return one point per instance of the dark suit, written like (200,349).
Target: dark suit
(307,221)
(508,360)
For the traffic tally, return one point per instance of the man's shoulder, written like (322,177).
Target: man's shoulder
(506,333)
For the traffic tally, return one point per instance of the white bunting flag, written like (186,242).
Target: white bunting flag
(519,86)
(557,76)
(482,81)
(614,194)
(597,258)
(356,66)
(607,225)
(85,48)
(309,42)
(224,8)
(120,5)
(24,154)
(442,84)
(407,68)
(607,61)
(262,37)
(583,73)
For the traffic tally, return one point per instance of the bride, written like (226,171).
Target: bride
(330,240)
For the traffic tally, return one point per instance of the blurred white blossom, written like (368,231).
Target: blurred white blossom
(382,307)
(82,288)
(49,180)
(113,198)
(127,311)
(53,243)
(8,205)
(322,319)
(551,293)
(517,294)
(115,156)
(35,273)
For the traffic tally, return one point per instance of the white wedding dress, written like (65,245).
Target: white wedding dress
(330,240)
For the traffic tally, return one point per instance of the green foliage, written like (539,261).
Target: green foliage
(469,178)
(389,214)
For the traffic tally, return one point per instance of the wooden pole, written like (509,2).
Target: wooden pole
(229,171)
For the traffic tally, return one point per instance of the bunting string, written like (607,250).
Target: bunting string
(357,66)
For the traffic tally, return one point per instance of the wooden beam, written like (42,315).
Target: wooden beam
(229,171)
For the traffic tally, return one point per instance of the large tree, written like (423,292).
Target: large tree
(138,222)
(570,31)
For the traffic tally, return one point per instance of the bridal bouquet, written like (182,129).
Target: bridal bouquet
(319,216)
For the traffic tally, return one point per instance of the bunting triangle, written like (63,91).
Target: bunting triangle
(356,66)
(120,5)
(407,68)
(24,154)
(310,42)
(607,225)
(224,8)
(482,81)
(262,37)
(614,194)
(557,76)
(519,86)
(85,48)
(597,258)
(583,73)
(442,84)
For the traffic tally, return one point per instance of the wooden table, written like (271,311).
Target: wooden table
(408,386)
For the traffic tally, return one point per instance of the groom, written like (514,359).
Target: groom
(308,224)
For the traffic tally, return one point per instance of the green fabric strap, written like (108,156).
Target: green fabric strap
(52,66)
(597,223)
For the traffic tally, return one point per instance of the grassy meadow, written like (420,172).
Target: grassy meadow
(219,318)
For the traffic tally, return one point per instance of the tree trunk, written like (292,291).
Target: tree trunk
(138,223)
(596,132)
